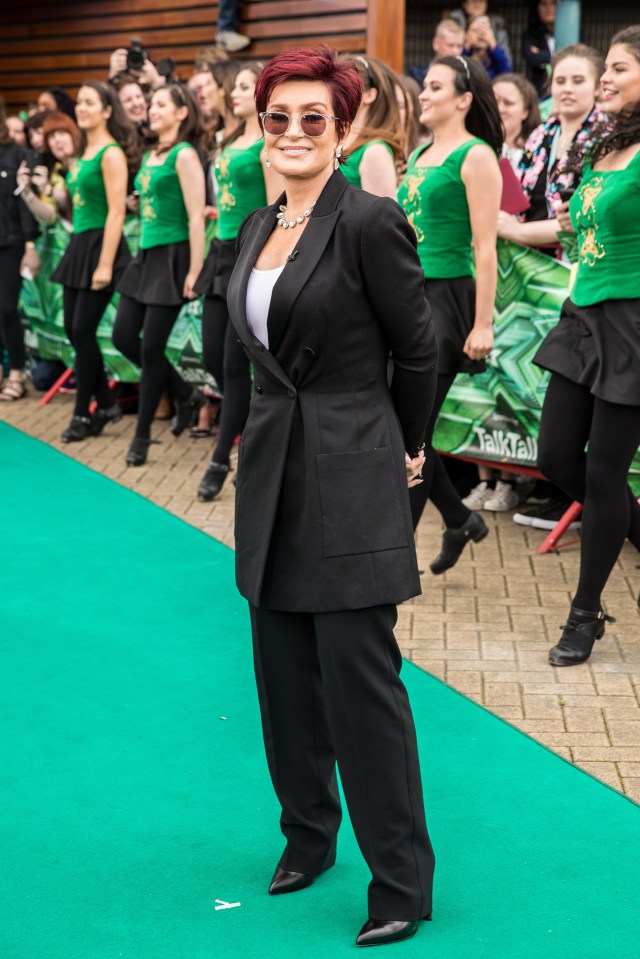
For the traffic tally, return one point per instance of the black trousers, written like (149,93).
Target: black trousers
(329,689)
(11,332)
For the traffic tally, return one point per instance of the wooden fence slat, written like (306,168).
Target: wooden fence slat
(303,26)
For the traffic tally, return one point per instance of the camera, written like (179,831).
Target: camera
(34,158)
(136,55)
(165,67)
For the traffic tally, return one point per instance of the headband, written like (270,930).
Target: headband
(370,73)
(466,67)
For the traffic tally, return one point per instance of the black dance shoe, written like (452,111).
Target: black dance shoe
(101,417)
(187,414)
(78,429)
(381,932)
(455,540)
(212,481)
(284,880)
(137,453)
(579,634)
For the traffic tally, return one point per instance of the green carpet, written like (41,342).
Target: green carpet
(134,791)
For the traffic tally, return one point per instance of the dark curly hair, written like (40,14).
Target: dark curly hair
(626,131)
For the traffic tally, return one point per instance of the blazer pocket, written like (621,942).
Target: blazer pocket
(360,502)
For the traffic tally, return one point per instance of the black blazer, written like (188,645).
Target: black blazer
(322,507)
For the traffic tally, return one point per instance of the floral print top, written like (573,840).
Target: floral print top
(565,172)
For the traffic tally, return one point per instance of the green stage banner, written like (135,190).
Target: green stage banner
(41,308)
(492,416)
(495,415)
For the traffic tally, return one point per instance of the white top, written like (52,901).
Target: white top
(259,290)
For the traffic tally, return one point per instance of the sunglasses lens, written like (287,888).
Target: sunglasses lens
(276,123)
(313,124)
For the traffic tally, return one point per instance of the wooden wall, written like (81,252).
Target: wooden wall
(61,44)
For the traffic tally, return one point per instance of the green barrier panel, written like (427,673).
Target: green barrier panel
(41,308)
(493,416)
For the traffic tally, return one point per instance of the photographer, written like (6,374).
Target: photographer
(136,63)
(44,191)
(18,257)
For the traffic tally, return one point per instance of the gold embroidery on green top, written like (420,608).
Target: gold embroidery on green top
(591,250)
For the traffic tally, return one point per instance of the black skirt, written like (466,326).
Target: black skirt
(598,347)
(156,276)
(81,257)
(218,267)
(453,311)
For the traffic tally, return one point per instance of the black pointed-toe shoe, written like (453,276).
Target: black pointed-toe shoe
(78,429)
(187,414)
(102,417)
(579,634)
(455,540)
(381,932)
(284,880)
(212,481)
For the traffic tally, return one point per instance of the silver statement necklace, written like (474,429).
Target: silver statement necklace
(289,224)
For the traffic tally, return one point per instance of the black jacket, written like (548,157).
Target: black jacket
(322,507)
(16,223)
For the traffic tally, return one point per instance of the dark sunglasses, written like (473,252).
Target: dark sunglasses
(311,124)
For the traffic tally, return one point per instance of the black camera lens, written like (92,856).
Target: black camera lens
(136,56)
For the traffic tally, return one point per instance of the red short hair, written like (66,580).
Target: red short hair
(55,121)
(319,64)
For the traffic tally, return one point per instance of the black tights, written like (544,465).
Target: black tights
(83,311)
(571,418)
(11,331)
(436,484)
(227,362)
(155,323)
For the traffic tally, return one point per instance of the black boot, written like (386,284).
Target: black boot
(101,417)
(78,429)
(579,634)
(455,540)
(187,414)
(212,481)
(137,453)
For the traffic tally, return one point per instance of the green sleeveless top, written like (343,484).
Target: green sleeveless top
(435,202)
(241,188)
(605,212)
(163,214)
(351,169)
(88,195)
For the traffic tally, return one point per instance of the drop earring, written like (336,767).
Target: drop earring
(336,164)
(268,162)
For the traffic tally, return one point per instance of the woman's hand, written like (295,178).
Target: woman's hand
(133,203)
(187,290)
(118,62)
(508,227)
(149,76)
(414,468)
(102,277)
(40,179)
(23,175)
(30,261)
(563,218)
(479,343)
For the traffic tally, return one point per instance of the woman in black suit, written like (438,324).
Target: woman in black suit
(327,285)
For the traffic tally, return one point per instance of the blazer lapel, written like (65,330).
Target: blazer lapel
(306,256)
(237,295)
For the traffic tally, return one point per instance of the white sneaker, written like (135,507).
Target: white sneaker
(504,498)
(478,496)
(232,41)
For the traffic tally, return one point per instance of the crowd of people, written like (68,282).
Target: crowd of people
(352,277)
(142,144)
